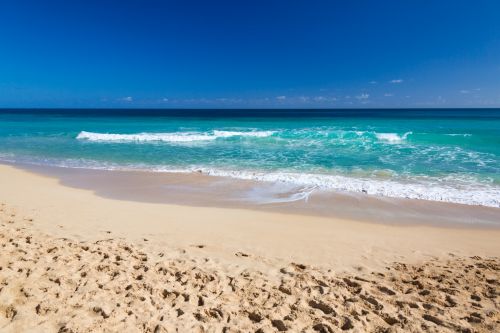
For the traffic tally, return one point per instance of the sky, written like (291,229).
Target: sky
(249,54)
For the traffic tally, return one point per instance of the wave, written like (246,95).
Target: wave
(169,137)
(469,194)
(459,134)
(392,137)
(257,134)
(303,136)
(350,135)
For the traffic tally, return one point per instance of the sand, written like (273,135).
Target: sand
(71,261)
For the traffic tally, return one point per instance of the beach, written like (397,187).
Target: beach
(234,167)
(74,261)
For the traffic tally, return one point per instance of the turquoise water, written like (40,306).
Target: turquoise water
(451,155)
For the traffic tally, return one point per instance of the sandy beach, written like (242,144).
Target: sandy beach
(249,166)
(73,261)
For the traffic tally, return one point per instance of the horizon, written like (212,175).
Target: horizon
(258,55)
(381,108)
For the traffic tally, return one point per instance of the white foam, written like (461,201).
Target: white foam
(144,137)
(168,137)
(469,194)
(459,134)
(257,134)
(392,137)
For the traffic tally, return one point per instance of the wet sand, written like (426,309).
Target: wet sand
(74,261)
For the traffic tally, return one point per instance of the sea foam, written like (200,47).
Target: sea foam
(169,137)
(468,194)
(392,137)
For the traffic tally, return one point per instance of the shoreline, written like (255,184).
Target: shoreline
(197,189)
(75,261)
(416,188)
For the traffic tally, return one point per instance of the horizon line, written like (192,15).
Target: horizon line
(253,109)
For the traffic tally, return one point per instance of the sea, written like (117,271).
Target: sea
(443,155)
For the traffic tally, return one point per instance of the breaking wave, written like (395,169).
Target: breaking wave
(392,137)
(169,137)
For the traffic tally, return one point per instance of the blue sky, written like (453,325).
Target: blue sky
(303,54)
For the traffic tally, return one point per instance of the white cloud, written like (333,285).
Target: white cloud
(373,82)
(127,99)
(465,91)
(396,81)
(388,95)
(362,96)
(280,98)
(164,99)
(325,99)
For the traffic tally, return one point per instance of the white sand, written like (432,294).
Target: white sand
(262,253)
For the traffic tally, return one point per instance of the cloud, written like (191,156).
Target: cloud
(321,99)
(363,96)
(396,81)
(127,99)
(373,82)
(388,95)
(280,98)
(465,91)
(164,99)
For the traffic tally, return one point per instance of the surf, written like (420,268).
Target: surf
(169,137)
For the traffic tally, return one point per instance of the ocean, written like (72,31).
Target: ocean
(448,155)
